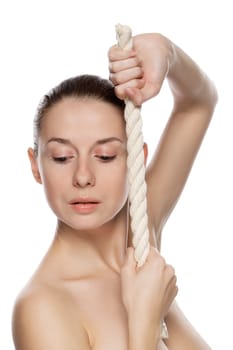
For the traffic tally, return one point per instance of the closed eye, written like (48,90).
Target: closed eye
(61,159)
(106,158)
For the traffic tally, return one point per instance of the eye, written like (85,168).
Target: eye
(106,158)
(62,159)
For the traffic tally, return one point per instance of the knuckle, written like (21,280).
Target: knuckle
(115,78)
(176,290)
(112,52)
(162,262)
(171,270)
(119,92)
(112,66)
(135,73)
(154,251)
(134,62)
(112,78)
(156,257)
(159,262)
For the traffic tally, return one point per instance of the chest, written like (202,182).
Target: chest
(102,312)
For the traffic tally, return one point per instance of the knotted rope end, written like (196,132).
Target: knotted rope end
(124,36)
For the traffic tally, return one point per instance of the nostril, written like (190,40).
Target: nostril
(83,181)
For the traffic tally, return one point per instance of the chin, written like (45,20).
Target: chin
(90,221)
(82,224)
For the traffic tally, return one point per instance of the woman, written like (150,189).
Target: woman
(88,292)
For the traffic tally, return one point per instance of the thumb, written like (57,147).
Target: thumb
(130,259)
(150,90)
(134,95)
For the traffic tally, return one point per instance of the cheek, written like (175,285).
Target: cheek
(117,182)
(53,182)
(50,189)
(121,192)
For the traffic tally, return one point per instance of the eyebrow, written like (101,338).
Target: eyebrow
(98,142)
(108,139)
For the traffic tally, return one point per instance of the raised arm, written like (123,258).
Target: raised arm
(139,75)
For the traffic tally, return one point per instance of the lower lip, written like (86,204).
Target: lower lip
(85,208)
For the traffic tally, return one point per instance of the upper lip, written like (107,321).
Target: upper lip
(83,200)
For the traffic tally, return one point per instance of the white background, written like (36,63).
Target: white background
(43,42)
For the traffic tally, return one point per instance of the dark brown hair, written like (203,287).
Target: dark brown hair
(81,86)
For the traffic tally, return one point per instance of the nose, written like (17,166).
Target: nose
(84,175)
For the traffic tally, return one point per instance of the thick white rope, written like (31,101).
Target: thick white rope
(136,170)
(135,164)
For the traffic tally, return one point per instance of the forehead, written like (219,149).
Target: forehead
(86,118)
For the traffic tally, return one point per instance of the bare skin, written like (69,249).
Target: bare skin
(87,292)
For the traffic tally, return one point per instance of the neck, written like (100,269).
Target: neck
(92,250)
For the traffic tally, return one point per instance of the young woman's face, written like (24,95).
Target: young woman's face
(82,162)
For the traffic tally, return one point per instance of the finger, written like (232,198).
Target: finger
(123,91)
(154,255)
(126,75)
(130,258)
(134,95)
(170,270)
(117,66)
(115,53)
(154,250)
(150,90)
(171,277)
(176,290)
(173,293)
(172,288)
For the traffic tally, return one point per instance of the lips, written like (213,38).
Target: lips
(84,201)
(84,205)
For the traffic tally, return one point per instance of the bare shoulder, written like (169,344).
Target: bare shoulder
(43,318)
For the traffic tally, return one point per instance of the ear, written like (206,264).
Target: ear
(34,165)
(145,150)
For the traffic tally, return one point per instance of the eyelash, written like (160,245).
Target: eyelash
(104,159)
(61,159)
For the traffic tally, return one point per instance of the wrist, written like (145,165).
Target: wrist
(143,334)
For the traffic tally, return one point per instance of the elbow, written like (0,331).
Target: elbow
(213,96)
(208,100)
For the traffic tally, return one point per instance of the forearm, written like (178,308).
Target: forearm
(182,335)
(143,335)
(188,83)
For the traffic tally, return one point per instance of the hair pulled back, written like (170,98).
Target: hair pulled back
(81,86)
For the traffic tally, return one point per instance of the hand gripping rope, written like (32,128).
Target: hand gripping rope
(136,170)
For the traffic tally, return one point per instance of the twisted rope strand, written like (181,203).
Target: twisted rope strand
(135,164)
(136,170)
